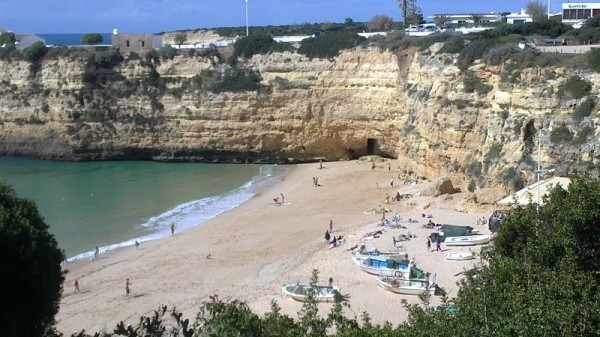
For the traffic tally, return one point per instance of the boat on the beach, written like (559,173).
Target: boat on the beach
(469,240)
(300,292)
(459,256)
(398,254)
(381,266)
(407,287)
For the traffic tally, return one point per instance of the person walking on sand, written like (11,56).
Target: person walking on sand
(392,182)
(96,253)
(172,229)
(438,245)
(76,283)
(282,198)
(330,226)
(137,244)
(127,289)
(428,244)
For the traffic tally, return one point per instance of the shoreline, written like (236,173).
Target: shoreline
(257,246)
(233,198)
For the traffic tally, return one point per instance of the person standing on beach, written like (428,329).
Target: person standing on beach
(172,229)
(392,182)
(320,164)
(137,244)
(438,245)
(282,198)
(127,289)
(428,245)
(76,283)
(96,253)
(330,226)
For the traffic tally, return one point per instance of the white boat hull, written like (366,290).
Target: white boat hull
(299,292)
(407,287)
(459,256)
(470,240)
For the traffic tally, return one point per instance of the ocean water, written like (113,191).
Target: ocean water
(113,204)
(71,39)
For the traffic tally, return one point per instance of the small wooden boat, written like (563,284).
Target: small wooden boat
(469,240)
(299,292)
(397,255)
(458,256)
(378,265)
(387,267)
(407,287)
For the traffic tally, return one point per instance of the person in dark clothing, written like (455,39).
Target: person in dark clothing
(327,236)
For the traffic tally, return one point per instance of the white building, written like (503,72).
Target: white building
(468,18)
(575,12)
(518,18)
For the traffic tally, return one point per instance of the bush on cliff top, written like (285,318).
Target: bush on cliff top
(251,45)
(329,45)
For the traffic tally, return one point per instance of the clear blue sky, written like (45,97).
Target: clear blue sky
(153,16)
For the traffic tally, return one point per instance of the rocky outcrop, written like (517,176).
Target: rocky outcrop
(411,106)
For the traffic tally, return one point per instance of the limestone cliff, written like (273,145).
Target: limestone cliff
(411,106)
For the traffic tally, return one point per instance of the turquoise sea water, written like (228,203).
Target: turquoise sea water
(71,39)
(112,204)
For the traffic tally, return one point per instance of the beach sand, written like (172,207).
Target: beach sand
(255,248)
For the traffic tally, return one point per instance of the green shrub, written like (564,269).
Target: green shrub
(235,80)
(454,45)
(584,109)
(250,45)
(583,135)
(498,55)
(329,45)
(167,52)
(561,134)
(472,83)
(36,51)
(108,59)
(577,87)
(474,51)
(593,59)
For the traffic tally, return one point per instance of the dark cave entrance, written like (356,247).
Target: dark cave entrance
(371,146)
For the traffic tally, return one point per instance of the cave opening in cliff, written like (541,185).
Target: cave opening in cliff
(371,146)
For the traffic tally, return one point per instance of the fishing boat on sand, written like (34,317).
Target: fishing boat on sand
(469,240)
(300,292)
(364,253)
(459,256)
(407,287)
(388,267)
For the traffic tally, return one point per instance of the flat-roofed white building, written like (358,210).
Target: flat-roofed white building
(468,18)
(518,18)
(574,12)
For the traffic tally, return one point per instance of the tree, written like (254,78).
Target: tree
(7,38)
(536,9)
(92,39)
(36,51)
(411,12)
(180,38)
(440,20)
(380,23)
(476,18)
(30,275)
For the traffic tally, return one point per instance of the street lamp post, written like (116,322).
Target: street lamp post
(247,31)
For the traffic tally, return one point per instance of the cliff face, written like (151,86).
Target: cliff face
(411,106)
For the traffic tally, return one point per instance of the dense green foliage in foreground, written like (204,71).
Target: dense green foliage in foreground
(541,279)
(30,272)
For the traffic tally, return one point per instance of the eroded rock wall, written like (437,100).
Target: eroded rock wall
(411,106)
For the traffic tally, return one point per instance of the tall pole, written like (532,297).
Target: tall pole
(539,170)
(548,9)
(247,32)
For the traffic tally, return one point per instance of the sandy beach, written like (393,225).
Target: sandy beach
(255,248)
